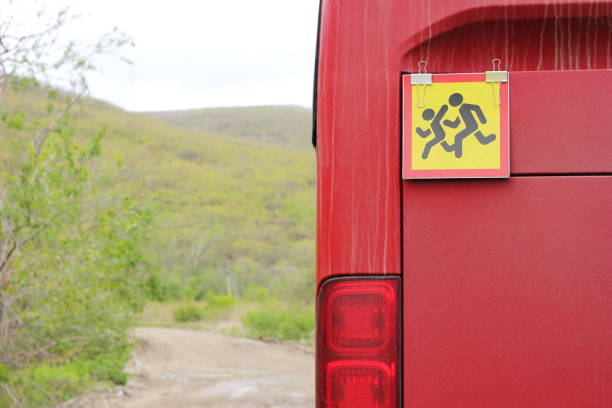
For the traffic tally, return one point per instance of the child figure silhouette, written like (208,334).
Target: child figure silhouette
(467,111)
(436,127)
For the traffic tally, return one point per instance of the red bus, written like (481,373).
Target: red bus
(463,290)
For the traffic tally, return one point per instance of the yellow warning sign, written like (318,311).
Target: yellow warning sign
(455,126)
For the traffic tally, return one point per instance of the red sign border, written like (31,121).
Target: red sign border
(407,171)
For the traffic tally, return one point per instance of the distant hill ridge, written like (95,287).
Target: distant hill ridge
(230,205)
(287,125)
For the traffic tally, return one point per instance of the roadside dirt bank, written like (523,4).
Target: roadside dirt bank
(176,368)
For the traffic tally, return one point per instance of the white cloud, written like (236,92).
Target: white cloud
(193,54)
(204,53)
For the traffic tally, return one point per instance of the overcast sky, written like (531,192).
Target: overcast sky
(205,53)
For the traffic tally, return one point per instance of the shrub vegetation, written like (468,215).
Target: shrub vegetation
(188,313)
(276,323)
(102,210)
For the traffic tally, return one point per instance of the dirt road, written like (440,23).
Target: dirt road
(176,368)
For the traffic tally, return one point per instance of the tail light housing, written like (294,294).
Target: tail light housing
(358,343)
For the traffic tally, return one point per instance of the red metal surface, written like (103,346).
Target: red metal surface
(366,45)
(358,202)
(551,37)
(561,121)
(508,283)
(508,293)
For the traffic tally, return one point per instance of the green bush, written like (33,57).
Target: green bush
(45,384)
(118,377)
(219,301)
(256,294)
(16,120)
(109,367)
(279,324)
(188,313)
(173,290)
(154,289)
(4,373)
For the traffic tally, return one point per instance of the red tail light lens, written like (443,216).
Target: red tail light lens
(358,340)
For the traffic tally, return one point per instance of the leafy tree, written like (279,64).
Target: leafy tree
(71,263)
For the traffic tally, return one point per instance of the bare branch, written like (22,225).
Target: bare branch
(13,398)
(6,259)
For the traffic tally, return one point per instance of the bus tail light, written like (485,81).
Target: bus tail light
(358,341)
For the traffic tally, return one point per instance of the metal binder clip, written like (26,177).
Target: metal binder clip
(423,79)
(496,76)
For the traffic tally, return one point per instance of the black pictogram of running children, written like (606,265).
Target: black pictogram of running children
(467,111)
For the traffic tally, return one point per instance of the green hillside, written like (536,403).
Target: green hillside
(230,212)
(283,125)
(106,214)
